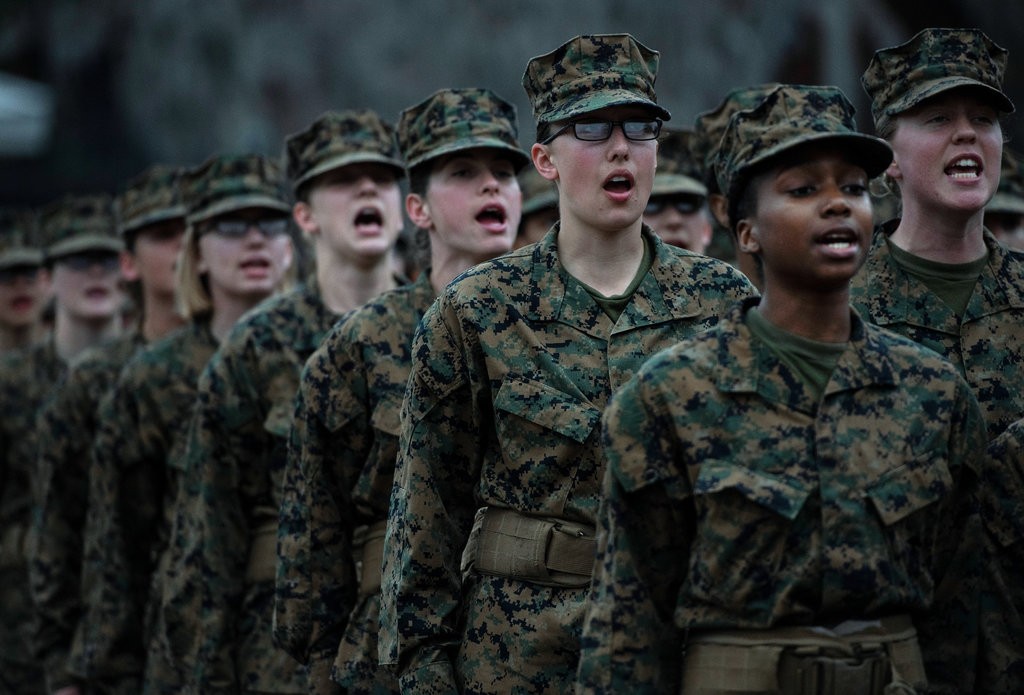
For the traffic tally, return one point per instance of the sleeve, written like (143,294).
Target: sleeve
(630,642)
(431,508)
(55,550)
(122,526)
(213,532)
(315,583)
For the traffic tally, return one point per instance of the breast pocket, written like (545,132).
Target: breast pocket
(744,528)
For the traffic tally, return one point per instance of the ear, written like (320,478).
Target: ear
(418,210)
(893,170)
(128,269)
(303,215)
(543,161)
(719,207)
(748,235)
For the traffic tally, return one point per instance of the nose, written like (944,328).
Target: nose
(836,204)
(490,181)
(965,131)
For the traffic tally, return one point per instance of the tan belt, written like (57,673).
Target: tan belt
(542,550)
(262,565)
(12,546)
(368,548)
(879,657)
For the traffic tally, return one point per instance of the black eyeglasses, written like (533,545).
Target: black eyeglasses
(9,275)
(236,229)
(684,204)
(84,261)
(596,130)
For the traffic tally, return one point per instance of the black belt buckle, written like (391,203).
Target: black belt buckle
(823,673)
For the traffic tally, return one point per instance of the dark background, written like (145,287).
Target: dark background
(126,83)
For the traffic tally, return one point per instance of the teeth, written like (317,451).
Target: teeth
(965,163)
(618,179)
(839,244)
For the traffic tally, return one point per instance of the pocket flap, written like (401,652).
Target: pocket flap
(781,496)
(910,487)
(548,408)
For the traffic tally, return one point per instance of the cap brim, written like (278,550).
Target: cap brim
(239,203)
(85,242)
(346,160)
(1006,202)
(138,223)
(16,257)
(540,202)
(930,88)
(519,157)
(665,184)
(602,100)
(872,154)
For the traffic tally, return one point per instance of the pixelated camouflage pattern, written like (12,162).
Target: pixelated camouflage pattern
(135,469)
(788,116)
(26,378)
(152,196)
(237,448)
(934,61)
(591,72)
(67,423)
(784,509)
(538,192)
(1009,197)
(341,460)
(678,170)
(710,125)
(232,182)
(512,367)
(77,223)
(340,138)
(19,238)
(450,120)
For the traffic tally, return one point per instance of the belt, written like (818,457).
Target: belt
(368,547)
(543,550)
(879,657)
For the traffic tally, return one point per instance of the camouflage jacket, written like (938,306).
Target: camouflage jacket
(986,344)
(26,378)
(734,499)
(133,475)
(341,461)
(67,424)
(513,366)
(235,462)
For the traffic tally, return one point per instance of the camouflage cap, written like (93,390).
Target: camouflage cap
(934,61)
(678,170)
(79,223)
(337,139)
(19,238)
(538,192)
(710,125)
(592,72)
(152,196)
(232,182)
(792,115)
(450,120)
(1009,198)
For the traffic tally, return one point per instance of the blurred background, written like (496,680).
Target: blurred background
(93,92)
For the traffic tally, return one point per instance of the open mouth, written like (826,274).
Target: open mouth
(256,263)
(97,292)
(964,169)
(839,240)
(492,217)
(618,184)
(369,216)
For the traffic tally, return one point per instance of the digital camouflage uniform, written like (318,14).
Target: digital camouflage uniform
(69,225)
(783,510)
(986,343)
(238,444)
(341,460)
(20,245)
(345,437)
(68,423)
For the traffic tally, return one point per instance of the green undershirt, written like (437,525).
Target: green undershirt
(952,282)
(614,306)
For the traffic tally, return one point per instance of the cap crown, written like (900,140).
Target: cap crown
(678,170)
(79,223)
(233,182)
(1009,198)
(591,72)
(538,192)
(788,116)
(933,61)
(19,238)
(337,139)
(152,196)
(711,124)
(450,120)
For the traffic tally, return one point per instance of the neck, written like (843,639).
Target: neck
(15,337)
(605,261)
(823,317)
(71,334)
(945,238)
(159,316)
(345,286)
(227,310)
